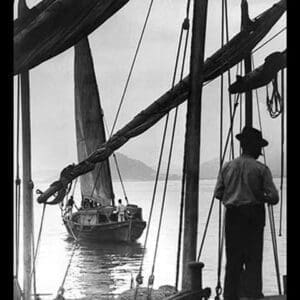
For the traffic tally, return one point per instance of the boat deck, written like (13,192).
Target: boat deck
(107,297)
(277,297)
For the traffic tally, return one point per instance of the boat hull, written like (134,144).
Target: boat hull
(127,231)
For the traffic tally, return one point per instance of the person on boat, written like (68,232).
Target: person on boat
(121,211)
(243,186)
(86,203)
(69,206)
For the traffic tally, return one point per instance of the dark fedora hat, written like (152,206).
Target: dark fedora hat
(250,134)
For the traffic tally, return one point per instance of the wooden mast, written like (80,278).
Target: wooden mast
(27,181)
(192,145)
(248,68)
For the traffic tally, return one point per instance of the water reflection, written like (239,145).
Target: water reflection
(102,268)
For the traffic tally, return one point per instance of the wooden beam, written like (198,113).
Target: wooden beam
(27,181)
(53,26)
(248,67)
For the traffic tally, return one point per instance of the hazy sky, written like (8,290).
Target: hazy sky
(113,45)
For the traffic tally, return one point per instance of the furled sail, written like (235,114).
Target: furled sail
(260,76)
(225,58)
(90,131)
(53,26)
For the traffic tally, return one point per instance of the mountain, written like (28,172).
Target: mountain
(130,169)
(209,169)
(134,170)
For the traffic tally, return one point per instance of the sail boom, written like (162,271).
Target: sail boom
(225,58)
(260,76)
(53,26)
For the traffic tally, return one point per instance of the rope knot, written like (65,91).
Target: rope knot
(218,291)
(139,279)
(30,184)
(151,280)
(186,24)
(18,181)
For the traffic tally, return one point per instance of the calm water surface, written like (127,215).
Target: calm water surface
(108,268)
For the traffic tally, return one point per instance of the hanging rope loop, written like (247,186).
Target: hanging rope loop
(275,103)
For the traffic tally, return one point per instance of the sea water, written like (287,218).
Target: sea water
(109,268)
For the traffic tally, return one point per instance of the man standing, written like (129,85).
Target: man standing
(121,211)
(243,186)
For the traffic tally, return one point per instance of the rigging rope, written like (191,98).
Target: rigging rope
(132,66)
(38,240)
(270,211)
(61,289)
(33,268)
(139,277)
(117,167)
(229,75)
(185,26)
(123,96)
(282,152)
(236,102)
(180,219)
(18,180)
(269,40)
(241,110)
(218,287)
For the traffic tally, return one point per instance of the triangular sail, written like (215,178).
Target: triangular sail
(90,130)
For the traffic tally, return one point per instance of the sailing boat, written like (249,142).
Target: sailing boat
(96,219)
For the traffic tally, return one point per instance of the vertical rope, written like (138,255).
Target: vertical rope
(132,66)
(271,214)
(139,278)
(229,76)
(180,221)
(185,26)
(218,287)
(236,102)
(241,110)
(33,269)
(282,151)
(38,243)
(18,180)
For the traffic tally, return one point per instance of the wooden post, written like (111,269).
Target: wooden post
(284,278)
(192,145)
(248,68)
(196,275)
(27,181)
